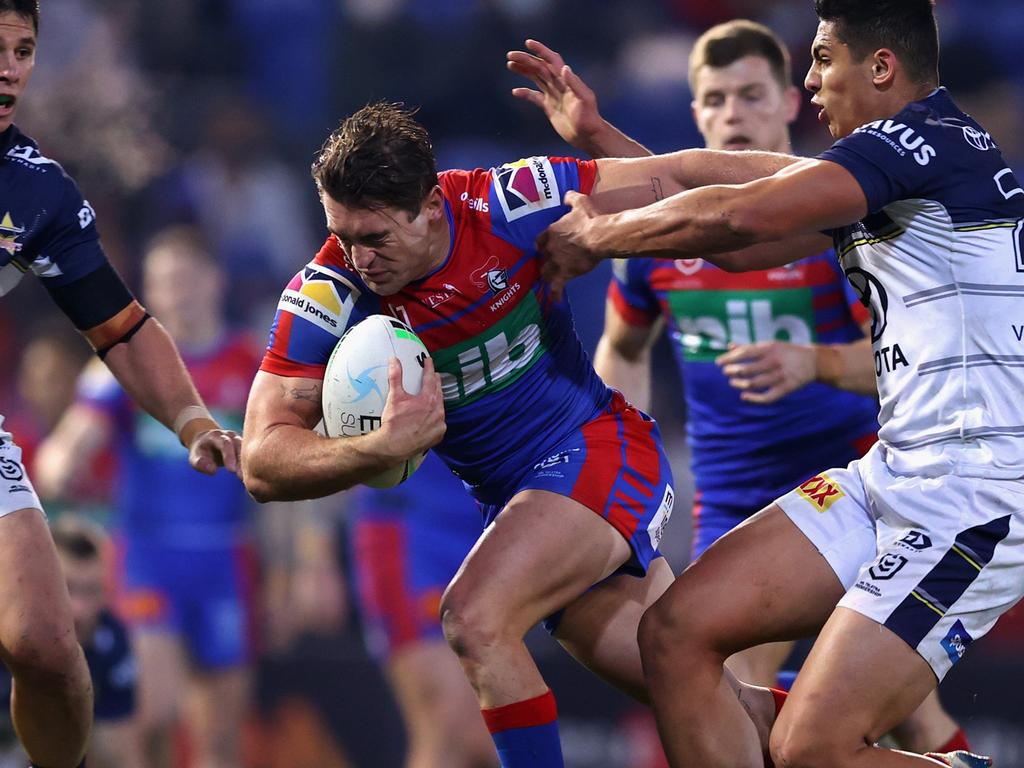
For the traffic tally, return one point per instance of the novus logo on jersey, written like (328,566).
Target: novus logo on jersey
(901,138)
(526,186)
(492,360)
(710,320)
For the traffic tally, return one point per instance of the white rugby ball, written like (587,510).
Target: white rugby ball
(356,383)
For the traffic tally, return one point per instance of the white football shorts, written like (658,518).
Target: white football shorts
(16,491)
(934,559)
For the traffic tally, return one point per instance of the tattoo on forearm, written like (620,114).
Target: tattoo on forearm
(659,193)
(309,393)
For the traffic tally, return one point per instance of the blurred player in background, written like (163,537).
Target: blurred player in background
(908,555)
(115,739)
(47,228)
(185,538)
(407,543)
(779,376)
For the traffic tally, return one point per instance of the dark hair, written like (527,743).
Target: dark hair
(726,43)
(27,8)
(906,26)
(78,537)
(379,157)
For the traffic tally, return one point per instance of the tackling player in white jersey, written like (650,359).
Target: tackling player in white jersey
(911,553)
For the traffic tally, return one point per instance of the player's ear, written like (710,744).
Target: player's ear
(883,68)
(433,205)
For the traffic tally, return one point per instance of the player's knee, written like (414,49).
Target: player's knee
(660,634)
(803,748)
(470,625)
(47,653)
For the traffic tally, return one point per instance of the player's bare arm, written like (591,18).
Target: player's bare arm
(285,460)
(721,223)
(623,356)
(151,371)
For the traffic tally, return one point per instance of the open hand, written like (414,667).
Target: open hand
(568,102)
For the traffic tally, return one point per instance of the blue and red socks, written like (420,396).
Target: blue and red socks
(956,743)
(525,733)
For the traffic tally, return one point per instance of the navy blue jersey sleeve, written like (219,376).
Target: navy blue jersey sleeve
(526,196)
(67,246)
(890,159)
(932,151)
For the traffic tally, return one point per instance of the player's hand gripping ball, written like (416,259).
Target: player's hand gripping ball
(355,386)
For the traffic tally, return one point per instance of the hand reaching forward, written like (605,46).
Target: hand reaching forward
(570,105)
(564,245)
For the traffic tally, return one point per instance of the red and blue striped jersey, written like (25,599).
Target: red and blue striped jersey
(516,379)
(159,496)
(742,452)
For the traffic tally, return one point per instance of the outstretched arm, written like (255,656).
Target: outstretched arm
(720,223)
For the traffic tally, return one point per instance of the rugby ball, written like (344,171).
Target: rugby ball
(355,385)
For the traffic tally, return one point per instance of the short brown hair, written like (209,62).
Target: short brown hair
(183,238)
(379,157)
(726,43)
(27,8)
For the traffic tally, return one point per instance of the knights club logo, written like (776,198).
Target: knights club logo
(9,235)
(490,276)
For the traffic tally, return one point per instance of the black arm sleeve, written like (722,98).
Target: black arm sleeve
(92,299)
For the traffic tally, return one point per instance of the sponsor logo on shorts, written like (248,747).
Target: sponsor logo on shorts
(656,529)
(554,461)
(19,489)
(821,491)
(887,566)
(916,541)
(957,641)
(868,587)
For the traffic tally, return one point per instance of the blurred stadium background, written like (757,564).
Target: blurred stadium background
(172,111)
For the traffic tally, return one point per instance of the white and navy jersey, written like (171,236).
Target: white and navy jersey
(45,225)
(938,262)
